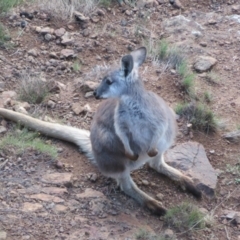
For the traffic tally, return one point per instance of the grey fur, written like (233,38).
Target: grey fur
(126,126)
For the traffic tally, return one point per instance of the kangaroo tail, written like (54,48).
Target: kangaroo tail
(80,137)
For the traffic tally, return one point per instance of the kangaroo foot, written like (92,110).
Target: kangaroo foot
(188,185)
(152,152)
(133,157)
(155,207)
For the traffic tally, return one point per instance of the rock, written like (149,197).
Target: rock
(168,234)
(60,32)
(92,177)
(77,108)
(233,136)
(88,95)
(203,44)
(88,86)
(51,104)
(145,182)
(236,9)
(66,40)
(60,208)
(86,32)
(204,63)
(33,52)
(46,30)
(80,17)
(160,196)
(3,129)
(176,4)
(232,216)
(48,37)
(128,12)
(46,198)
(54,190)
(3,235)
(95,19)
(90,193)
(58,178)
(20,109)
(66,53)
(31,207)
(100,12)
(190,157)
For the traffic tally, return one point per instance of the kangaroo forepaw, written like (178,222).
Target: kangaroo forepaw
(132,157)
(187,184)
(152,152)
(155,207)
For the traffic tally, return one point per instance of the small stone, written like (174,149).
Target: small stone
(51,104)
(90,193)
(160,196)
(33,52)
(204,63)
(60,32)
(3,129)
(48,37)
(92,177)
(86,32)
(46,198)
(31,207)
(66,53)
(128,12)
(88,86)
(46,30)
(66,40)
(59,164)
(88,95)
(168,234)
(212,151)
(80,17)
(3,235)
(203,44)
(54,190)
(100,12)
(95,19)
(77,108)
(145,182)
(58,178)
(60,208)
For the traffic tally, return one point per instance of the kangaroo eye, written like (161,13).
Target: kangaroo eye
(108,81)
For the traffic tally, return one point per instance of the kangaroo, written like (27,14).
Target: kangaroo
(131,127)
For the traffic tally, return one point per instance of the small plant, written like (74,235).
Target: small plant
(107,3)
(235,171)
(185,217)
(212,77)
(143,234)
(6,5)
(32,89)
(188,83)
(199,115)
(3,36)
(207,96)
(76,66)
(162,49)
(23,139)
(182,69)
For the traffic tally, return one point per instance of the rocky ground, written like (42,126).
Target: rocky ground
(68,198)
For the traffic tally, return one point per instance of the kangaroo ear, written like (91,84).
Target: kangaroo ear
(139,56)
(127,64)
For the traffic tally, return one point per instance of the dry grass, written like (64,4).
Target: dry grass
(64,9)
(32,89)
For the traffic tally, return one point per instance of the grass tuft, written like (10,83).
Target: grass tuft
(76,66)
(23,139)
(185,217)
(199,115)
(32,89)
(6,5)
(207,96)
(235,171)
(213,77)
(4,37)
(143,234)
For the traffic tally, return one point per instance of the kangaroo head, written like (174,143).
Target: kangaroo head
(117,81)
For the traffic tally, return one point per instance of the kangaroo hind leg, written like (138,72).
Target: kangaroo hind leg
(185,182)
(129,187)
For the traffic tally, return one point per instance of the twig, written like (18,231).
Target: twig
(3,164)
(227,233)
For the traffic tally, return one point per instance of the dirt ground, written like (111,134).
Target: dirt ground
(37,204)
